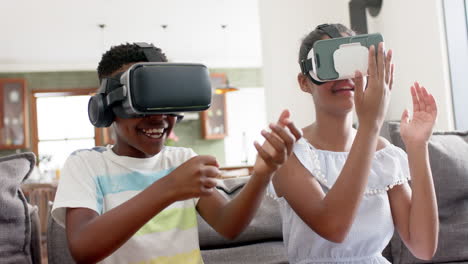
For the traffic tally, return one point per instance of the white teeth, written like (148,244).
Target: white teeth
(153,130)
(154,136)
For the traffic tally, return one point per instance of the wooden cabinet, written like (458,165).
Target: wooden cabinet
(214,120)
(14,130)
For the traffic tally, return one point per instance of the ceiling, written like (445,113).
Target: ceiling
(53,35)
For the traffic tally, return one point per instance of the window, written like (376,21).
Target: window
(247,117)
(61,126)
(456,27)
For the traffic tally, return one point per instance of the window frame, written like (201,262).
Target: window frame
(98,132)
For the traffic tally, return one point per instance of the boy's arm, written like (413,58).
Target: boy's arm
(92,237)
(231,218)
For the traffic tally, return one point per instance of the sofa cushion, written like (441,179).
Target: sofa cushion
(448,152)
(261,253)
(15,221)
(266,225)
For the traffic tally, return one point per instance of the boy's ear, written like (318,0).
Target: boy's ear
(304,83)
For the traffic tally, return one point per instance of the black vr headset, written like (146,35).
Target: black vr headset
(151,88)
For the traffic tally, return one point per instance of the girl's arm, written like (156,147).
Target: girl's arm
(230,218)
(414,209)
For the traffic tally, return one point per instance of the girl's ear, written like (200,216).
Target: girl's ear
(304,83)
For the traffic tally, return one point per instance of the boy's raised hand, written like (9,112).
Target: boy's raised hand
(194,178)
(277,147)
(419,129)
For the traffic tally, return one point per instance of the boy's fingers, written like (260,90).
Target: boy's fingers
(208,182)
(208,160)
(210,171)
(206,191)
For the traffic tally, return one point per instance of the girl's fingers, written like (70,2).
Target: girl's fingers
(285,136)
(392,68)
(405,117)
(422,104)
(433,105)
(415,99)
(388,64)
(372,63)
(381,61)
(267,158)
(427,100)
(294,130)
(359,84)
(284,117)
(274,141)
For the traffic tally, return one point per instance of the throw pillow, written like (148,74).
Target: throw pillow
(15,222)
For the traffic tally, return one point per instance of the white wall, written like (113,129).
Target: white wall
(55,35)
(283,24)
(413,29)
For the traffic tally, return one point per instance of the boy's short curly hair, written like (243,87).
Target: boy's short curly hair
(117,56)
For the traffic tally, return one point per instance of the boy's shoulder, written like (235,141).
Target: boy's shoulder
(182,152)
(95,150)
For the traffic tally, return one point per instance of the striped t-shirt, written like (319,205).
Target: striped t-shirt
(100,180)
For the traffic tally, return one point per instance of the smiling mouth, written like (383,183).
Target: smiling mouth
(153,132)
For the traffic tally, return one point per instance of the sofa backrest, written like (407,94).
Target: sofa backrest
(265,226)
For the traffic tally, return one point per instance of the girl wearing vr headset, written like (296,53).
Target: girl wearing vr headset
(344,190)
(136,202)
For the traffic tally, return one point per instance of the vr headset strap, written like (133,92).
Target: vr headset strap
(306,65)
(150,52)
(330,30)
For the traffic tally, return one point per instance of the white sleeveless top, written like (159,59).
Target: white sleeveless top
(373,226)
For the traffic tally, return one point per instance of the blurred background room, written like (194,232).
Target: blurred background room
(50,49)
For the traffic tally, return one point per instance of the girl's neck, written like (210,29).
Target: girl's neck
(332,132)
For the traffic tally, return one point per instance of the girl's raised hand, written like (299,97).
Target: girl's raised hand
(372,102)
(418,129)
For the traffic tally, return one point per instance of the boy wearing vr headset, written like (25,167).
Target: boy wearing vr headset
(136,202)
(344,189)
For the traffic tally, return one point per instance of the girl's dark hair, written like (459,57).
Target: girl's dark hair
(317,34)
(120,55)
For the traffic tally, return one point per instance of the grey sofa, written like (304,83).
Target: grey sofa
(261,242)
